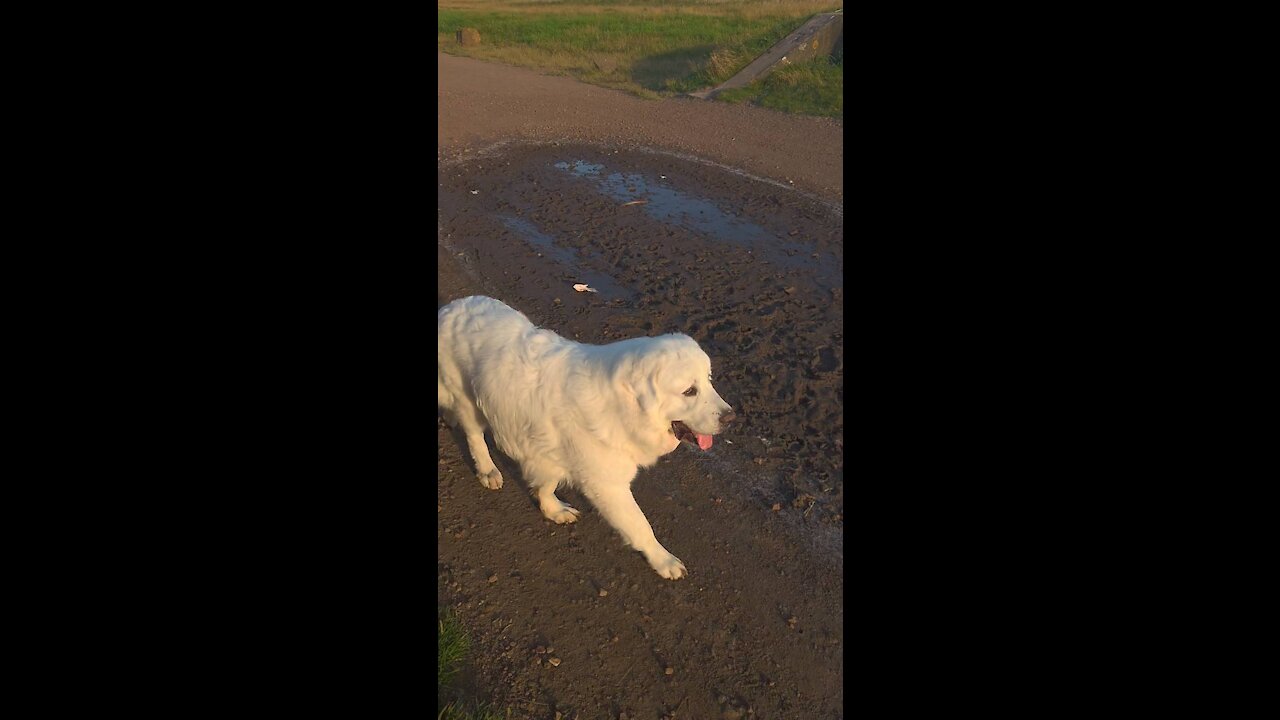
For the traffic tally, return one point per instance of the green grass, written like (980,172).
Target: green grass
(651,49)
(451,712)
(814,88)
(451,649)
(452,646)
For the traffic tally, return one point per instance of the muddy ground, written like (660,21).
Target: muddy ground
(752,268)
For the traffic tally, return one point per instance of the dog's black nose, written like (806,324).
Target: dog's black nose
(727,418)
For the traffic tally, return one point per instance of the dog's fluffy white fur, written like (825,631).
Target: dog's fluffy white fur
(568,412)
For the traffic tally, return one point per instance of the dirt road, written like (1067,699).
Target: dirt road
(583,185)
(482,103)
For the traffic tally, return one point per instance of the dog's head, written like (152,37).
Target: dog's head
(670,378)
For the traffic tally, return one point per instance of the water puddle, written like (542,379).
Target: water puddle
(606,285)
(670,206)
(674,207)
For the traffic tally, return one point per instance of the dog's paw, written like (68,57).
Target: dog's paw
(668,566)
(562,516)
(491,479)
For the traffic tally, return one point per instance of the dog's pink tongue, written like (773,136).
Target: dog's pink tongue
(704,441)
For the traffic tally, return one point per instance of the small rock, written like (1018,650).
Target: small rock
(793,233)
(540,650)
(791,621)
(493,578)
(777,507)
(604,63)
(555,661)
(790,290)
(603,592)
(669,671)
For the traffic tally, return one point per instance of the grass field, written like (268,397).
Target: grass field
(652,49)
(452,646)
(815,88)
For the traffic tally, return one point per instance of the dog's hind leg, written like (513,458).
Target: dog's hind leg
(619,508)
(553,507)
(543,482)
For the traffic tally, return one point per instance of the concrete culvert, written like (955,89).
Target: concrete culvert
(822,35)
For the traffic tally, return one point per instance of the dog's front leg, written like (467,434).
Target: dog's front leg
(618,507)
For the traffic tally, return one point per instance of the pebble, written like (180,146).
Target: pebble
(555,662)
(603,592)
(777,507)
(669,671)
(493,578)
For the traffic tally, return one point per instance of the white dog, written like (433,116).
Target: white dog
(583,415)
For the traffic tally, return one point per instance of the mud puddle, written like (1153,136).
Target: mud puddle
(752,271)
(701,215)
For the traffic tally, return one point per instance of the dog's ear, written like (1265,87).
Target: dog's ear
(641,392)
(636,387)
(646,396)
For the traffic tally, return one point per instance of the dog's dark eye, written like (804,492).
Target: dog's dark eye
(691,391)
